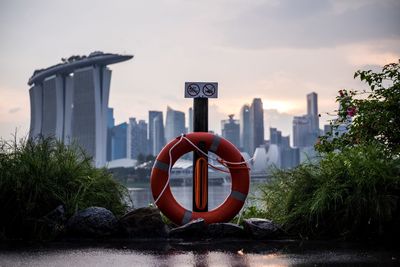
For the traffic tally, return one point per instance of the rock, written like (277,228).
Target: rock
(144,222)
(193,229)
(54,221)
(262,228)
(225,230)
(57,215)
(92,222)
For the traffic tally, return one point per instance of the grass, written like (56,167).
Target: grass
(38,175)
(352,194)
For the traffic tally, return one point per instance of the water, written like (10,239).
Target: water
(217,253)
(142,197)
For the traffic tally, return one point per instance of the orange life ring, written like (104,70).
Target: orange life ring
(222,148)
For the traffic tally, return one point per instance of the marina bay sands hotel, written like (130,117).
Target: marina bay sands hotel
(69,101)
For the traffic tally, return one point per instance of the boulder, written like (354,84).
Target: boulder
(92,222)
(193,229)
(262,228)
(57,215)
(143,222)
(54,221)
(225,230)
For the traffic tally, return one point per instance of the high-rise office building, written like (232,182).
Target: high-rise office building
(158,135)
(110,118)
(174,124)
(245,129)
(275,136)
(280,153)
(231,130)
(301,131)
(110,125)
(306,127)
(156,132)
(256,124)
(138,135)
(312,111)
(69,102)
(120,143)
(190,126)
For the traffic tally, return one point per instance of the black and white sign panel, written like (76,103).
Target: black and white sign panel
(201,90)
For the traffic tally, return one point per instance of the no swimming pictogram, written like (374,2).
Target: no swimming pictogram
(209,89)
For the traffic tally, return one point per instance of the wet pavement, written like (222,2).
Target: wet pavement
(200,253)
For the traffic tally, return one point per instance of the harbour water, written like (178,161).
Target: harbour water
(141,195)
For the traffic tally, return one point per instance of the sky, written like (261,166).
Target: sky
(277,50)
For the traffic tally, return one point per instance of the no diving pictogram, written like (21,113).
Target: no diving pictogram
(193,89)
(201,90)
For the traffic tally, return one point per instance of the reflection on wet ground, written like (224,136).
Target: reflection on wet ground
(204,253)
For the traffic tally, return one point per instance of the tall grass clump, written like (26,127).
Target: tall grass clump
(351,194)
(36,176)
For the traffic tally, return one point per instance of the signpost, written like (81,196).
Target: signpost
(200,92)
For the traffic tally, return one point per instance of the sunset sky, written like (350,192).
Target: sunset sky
(276,50)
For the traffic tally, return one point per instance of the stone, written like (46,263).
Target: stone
(54,221)
(262,228)
(194,229)
(143,222)
(94,222)
(57,215)
(225,230)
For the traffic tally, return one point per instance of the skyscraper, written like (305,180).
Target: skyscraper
(190,126)
(174,124)
(231,130)
(110,118)
(256,124)
(287,157)
(156,132)
(306,127)
(69,102)
(110,125)
(312,112)
(301,131)
(120,141)
(245,129)
(139,142)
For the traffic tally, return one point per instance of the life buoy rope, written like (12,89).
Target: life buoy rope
(231,205)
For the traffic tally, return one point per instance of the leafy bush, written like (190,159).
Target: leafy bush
(370,116)
(351,194)
(37,176)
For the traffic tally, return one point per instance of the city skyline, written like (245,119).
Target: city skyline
(284,151)
(275,50)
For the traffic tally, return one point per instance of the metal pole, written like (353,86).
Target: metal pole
(200,124)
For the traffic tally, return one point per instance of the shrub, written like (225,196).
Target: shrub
(38,175)
(370,116)
(351,194)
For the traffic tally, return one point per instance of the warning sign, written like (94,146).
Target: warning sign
(201,90)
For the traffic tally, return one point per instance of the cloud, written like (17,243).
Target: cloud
(372,53)
(14,110)
(313,24)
